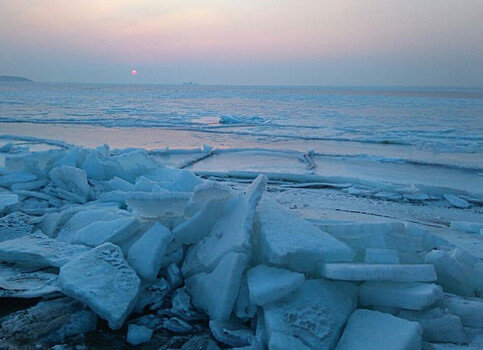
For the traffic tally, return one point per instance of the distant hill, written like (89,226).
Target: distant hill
(13,78)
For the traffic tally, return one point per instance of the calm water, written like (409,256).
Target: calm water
(437,120)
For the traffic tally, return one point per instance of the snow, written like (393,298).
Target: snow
(315,313)
(375,330)
(103,280)
(38,250)
(138,334)
(411,296)
(267,284)
(288,241)
(378,272)
(145,255)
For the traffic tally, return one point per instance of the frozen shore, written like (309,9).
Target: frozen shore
(194,248)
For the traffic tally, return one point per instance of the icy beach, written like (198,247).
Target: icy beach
(166,248)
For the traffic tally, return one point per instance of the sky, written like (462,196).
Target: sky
(248,42)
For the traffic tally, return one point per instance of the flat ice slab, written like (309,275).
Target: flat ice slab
(470,310)
(378,272)
(102,279)
(17,283)
(38,250)
(267,284)
(411,296)
(287,240)
(375,330)
(315,313)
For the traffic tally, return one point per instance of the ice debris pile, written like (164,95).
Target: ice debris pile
(116,235)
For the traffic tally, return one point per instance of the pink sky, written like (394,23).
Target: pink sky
(412,42)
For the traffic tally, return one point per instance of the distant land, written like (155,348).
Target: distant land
(14,78)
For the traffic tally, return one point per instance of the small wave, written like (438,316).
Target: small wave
(236,119)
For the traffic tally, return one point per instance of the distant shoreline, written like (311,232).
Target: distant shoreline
(11,78)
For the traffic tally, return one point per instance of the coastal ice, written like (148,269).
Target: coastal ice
(267,284)
(375,330)
(288,241)
(161,252)
(102,279)
(145,255)
(411,296)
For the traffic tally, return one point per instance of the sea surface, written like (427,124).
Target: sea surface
(420,131)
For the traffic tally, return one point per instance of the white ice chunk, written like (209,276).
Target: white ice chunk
(281,341)
(232,233)
(378,272)
(454,270)
(138,334)
(94,167)
(267,284)
(71,180)
(8,200)
(381,256)
(411,296)
(231,333)
(132,164)
(470,310)
(29,186)
(439,325)
(38,250)
(158,205)
(288,241)
(467,226)
(114,231)
(315,313)
(206,192)
(375,330)
(216,292)
(103,280)
(15,178)
(173,275)
(118,184)
(244,309)
(18,283)
(456,201)
(145,255)
(199,225)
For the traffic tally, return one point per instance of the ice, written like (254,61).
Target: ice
(466,226)
(206,192)
(439,325)
(71,180)
(231,333)
(152,295)
(267,284)
(200,224)
(456,201)
(200,342)
(38,250)
(177,325)
(454,271)
(173,274)
(29,186)
(378,272)
(18,283)
(52,320)
(138,334)
(16,177)
(118,184)
(281,341)
(94,167)
(315,313)
(14,225)
(103,280)
(244,309)
(375,330)
(232,233)
(470,310)
(216,292)
(381,256)
(411,296)
(7,201)
(115,231)
(132,164)
(158,205)
(288,241)
(145,255)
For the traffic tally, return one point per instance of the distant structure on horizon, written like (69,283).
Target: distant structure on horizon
(15,79)
(190,83)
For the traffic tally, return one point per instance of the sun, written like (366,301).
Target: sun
(134,72)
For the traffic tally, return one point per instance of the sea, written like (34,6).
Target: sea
(399,134)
